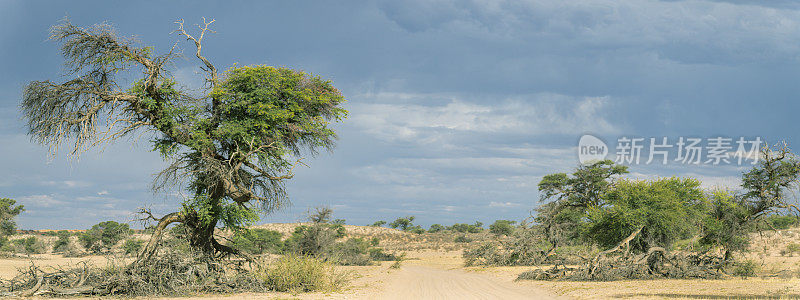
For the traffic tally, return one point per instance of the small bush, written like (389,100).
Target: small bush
(300,273)
(258,241)
(377,254)
(462,239)
(467,228)
(132,246)
(378,224)
(30,245)
(791,249)
(353,252)
(746,268)
(104,236)
(781,222)
(436,228)
(311,240)
(502,227)
(403,223)
(62,244)
(416,229)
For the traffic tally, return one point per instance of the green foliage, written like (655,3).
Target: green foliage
(436,228)
(467,228)
(8,211)
(132,246)
(462,239)
(570,197)
(728,222)
(339,222)
(311,240)
(352,252)
(62,244)
(232,147)
(403,223)
(668,209)
(378,254)
(257,241)
(104,236)
(378,224)
(780,222)
(502,227)
(746,268)
(30,245)
(586,186)
(300,273)
(791,249)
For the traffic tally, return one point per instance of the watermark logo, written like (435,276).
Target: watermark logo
(591,149)
(680,150)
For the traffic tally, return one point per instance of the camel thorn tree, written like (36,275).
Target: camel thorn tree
(232,147)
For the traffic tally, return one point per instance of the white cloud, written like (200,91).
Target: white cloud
(40,201)
(503,204)
(531,115)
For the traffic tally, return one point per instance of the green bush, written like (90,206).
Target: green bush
(378,224)
(62,244)
(352,252)
(416,229)
(311,240)
(378,254)
(300,273)
(781,222)
(403,223)
(104,236)
(791,249)
(436,228)
(502,227)
(746,268)
(132,246)
(467,228)
(30,245)
(462,239)
(257,241)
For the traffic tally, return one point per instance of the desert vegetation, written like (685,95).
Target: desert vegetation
(596,225)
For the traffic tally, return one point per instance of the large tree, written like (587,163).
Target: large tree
(232,145)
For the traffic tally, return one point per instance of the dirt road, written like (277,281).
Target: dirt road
(423,282)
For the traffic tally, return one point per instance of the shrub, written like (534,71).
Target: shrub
(502,227)
(8,210)
(436,228)
(311,240)
(462,239)
(132,246)
(30,245)
(791,249)
(746,268)
(377,254)
(62,244)
(352,252)
(781,222)
(257,241)
(104,236)
(416,229)
(403,223)
(300,273)
(378,224)
(467,228)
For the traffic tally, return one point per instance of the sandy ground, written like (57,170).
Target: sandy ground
(432,274)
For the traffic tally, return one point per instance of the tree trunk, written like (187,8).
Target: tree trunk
(201,234)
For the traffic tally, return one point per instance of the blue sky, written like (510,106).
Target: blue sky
(458,108)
